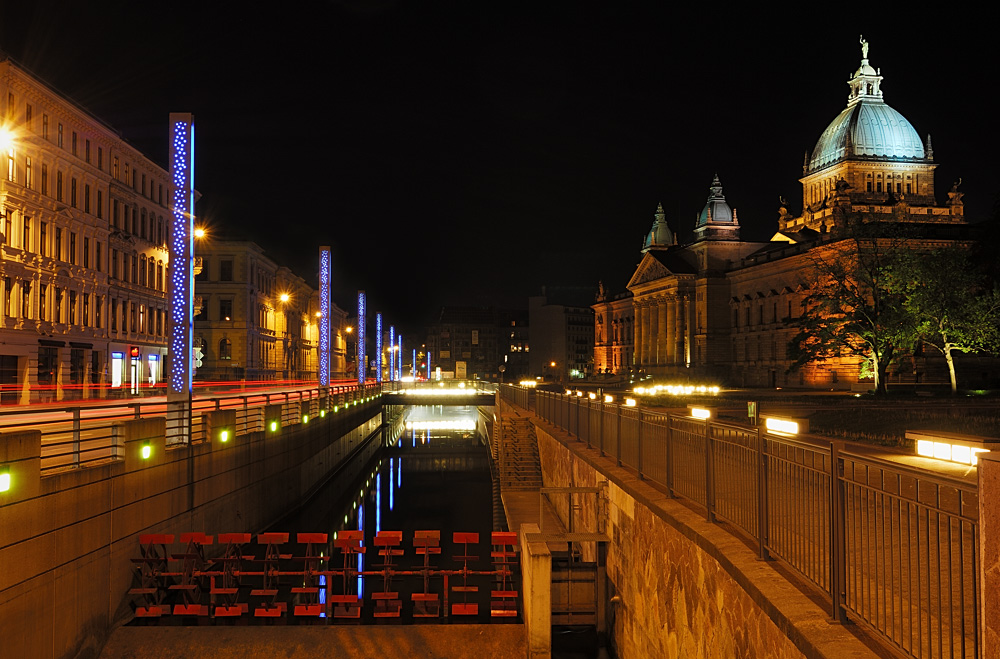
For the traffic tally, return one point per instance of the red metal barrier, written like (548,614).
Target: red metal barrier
(313,582)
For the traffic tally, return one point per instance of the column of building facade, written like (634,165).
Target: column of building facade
(678,329)
(654,331)
(664,331)
(647,357)
(670,322)
(637,332)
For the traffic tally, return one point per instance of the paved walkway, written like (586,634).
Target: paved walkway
(504,641)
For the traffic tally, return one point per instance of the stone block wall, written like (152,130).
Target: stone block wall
(687,588)
(67,539)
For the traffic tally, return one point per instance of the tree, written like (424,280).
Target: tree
(852,308)
(953,304)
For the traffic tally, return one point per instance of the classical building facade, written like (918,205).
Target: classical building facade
(725,309)
(257,320)
(84,250)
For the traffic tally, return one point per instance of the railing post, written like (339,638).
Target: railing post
(76,436)
(618,438)
(838,551)
(762,519)
(638,439)
(709,473)
(600,425)
(670,457)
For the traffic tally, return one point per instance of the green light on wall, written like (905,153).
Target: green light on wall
(224,436)
(147,451)
(4,478)
(305,418)
(322,414)
(274,426)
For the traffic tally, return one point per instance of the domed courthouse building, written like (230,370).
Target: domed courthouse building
(724,309)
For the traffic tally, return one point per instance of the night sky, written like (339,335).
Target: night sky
(472,152)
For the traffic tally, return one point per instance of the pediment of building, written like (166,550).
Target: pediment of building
(650,269)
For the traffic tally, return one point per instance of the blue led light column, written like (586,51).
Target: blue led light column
(399,357)
(378,348)
(361,338)
(181,288)
(413,365)
(324,318)
(392,352)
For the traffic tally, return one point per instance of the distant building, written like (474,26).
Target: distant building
(476,342)
(725,309)
(84,249)
(257,320)
(562,335)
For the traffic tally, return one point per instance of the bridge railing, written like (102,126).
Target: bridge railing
(84,435)
(892,545)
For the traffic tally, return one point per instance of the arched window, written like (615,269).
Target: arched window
(225,349)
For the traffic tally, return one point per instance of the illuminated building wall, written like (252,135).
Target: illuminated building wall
(83,249)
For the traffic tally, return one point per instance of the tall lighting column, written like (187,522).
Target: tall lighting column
(181,317)
(361,338)
(392,352)
(378,348)
(324,319)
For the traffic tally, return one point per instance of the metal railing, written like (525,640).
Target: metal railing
(892,545)
(87,435)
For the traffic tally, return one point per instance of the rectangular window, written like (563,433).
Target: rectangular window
(86,252)
(114,168)
(86,309)
(72,248)
(58,251)
(72,307)
(11,165)
(135,268)
(73,142)
(59,186)
(27,116)
(86,150)
(7,285)
(72,192)
(25,299)
(97,255)
(114,315)
(43,238)
(27,172)
(132,317)
(98,315)
(42,311)
(160,201)
(100,204)
(26,236)
(226,270)
(114,263)
(142,318)
(909,188)
(45,179)
(57,309)
(225,309)
(59,136)
(203,275)
(45,126)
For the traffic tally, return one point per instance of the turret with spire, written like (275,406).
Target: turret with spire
(660,236)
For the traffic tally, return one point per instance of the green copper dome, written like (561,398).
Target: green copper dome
(867,129)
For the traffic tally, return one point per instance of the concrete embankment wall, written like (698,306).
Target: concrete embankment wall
(683,587)
(67,540)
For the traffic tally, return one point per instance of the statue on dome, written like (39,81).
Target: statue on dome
(864,47)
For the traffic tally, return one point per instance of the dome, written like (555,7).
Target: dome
(867,129)
(660,235)
(716,210)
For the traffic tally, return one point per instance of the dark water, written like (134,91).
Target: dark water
(430,479)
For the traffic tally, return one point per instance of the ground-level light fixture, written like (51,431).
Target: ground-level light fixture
(630,402)
(699,412)
(784,426)
(951,447)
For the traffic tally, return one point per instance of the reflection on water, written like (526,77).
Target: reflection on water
(449,489)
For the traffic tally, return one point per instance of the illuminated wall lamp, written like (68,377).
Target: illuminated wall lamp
(147,451)
(274,426)
(4,478)
(224,436)
(779,425)
(950,447)
(608,398)
(629,402)
(305,418)
(700,412)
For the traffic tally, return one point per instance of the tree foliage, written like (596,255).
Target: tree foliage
(953,303)
(853,308)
